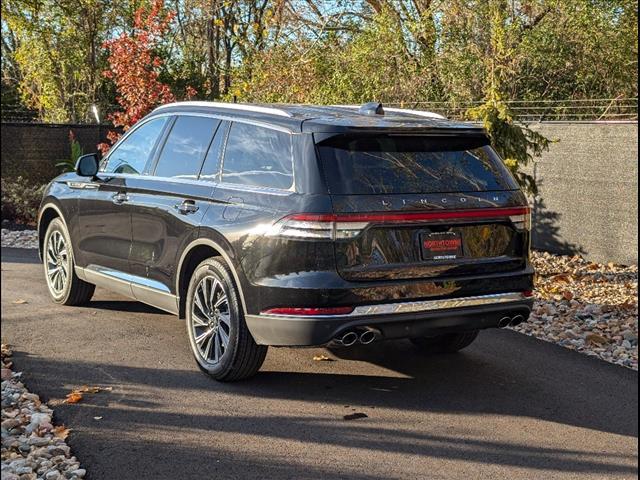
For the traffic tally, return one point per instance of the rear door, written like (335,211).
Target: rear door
(168,205)
(412,206)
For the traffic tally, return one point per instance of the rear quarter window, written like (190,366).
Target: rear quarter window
(386,164)
(258,156)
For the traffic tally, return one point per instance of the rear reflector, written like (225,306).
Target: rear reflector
(308,311)
(527,293)
(336,226)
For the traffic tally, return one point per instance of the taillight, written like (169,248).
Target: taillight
(340,226)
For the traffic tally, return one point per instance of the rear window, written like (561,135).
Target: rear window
(412,164)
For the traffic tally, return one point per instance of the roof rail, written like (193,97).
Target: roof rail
(229,106)
(418,113)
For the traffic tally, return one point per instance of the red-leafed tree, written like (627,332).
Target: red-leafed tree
(135,68)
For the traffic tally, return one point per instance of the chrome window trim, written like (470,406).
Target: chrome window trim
(236,186)
(422,306)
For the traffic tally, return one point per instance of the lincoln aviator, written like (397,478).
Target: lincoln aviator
(295,225)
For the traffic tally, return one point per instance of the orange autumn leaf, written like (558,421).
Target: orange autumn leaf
(61,432)
(73,397)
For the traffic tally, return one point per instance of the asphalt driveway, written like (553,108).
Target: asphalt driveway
(508,407)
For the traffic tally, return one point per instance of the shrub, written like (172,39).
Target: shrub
(20,200)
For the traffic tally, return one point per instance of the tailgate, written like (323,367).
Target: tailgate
(422,206)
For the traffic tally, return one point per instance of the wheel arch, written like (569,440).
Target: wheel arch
(48,211)
(195,252)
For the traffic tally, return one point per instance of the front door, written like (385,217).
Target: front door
(104,212)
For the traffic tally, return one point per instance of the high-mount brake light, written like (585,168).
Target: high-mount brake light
(333,226)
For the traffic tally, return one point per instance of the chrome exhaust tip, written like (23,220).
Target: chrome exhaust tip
(349,339)
(517,320)
(504,322)
(367,337)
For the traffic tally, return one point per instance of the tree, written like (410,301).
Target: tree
(134,68)
(50,50)
(517,144)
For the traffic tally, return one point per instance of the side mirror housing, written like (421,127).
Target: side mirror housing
(87,165)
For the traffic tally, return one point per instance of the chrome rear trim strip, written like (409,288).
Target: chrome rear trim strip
(429,305)
(422,306)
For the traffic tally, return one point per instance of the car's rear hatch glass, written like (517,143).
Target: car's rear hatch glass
(395,164)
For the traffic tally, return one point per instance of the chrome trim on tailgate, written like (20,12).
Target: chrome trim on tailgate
(420,306)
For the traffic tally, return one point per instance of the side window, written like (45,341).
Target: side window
(132,155)
(185,147)
(258,156)
(211,168)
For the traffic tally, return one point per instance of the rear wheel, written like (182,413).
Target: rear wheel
(447,343)
(220,340)
(57,256)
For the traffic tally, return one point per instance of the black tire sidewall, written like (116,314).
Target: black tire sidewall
(215,268)
(57,225)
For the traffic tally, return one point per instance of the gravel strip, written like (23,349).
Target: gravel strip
(588,307)
(32,448)
(19,238)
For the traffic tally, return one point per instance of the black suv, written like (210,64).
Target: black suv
(295,225)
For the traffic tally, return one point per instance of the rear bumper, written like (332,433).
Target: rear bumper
(392,320)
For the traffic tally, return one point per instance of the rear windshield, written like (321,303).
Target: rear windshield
(412,164)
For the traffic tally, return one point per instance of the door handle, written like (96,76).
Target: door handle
(120,198)
(186,207)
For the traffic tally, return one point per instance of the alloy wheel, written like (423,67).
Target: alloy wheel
(57,263)
(210,319)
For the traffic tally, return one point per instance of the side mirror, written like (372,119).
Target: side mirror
(87,165)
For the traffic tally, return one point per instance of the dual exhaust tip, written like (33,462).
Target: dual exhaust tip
(513,321)
(351,337)
(368,335)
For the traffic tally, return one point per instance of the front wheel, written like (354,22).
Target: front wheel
(57,256)
(220,340)
(447,343)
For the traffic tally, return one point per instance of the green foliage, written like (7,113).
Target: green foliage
(20,199)
(315,51)
(517,144)
(69,164)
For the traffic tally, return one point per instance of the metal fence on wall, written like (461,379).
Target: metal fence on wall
(598,109)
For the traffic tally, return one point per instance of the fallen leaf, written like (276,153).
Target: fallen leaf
(355,416)
(61,432)
(20,301)
(562,277)
(322,358)
(73,397)
(567,295)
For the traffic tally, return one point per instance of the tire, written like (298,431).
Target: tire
(211,320)
(63,284)
(447,343)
